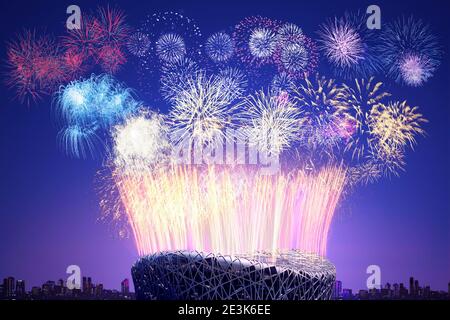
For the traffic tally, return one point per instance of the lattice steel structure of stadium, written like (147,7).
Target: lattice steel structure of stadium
(193,275)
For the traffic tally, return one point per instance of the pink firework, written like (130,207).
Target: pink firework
(415,70)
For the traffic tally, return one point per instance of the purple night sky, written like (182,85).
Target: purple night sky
(49,207)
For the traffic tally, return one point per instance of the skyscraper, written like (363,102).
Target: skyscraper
(125,285)
(411,286)
(9,287)
(337,289)
(99,290)
(85,285)
(20,288)
(416,288)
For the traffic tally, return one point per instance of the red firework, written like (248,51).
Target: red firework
(111,58)
(85,40)
(113,33)
(34,66)
(111,27)
(75,63)
(101,37)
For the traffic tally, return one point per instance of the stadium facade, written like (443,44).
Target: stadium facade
(193,275)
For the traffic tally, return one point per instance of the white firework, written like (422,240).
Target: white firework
(141,142)
(341,43)
(170,48)
(270,124)
(234,81)
(138,44)
(290,33)
(202,110)
(174,76)
(219,47)
(262,42)
(294,57)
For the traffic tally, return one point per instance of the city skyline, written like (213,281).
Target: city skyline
(12,288)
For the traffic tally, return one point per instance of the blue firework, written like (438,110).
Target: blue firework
(411,53)
(89,106)
(219,47)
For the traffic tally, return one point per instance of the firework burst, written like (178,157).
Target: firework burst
(81,141)
(256,40)
(219,47)
(362,98)
(234,81)
(202,110)
(141,142)
(410,51)
(175,75)
(394,126)
(90,105)
(179,40)
(102,37)
(138,44)
(325,110)
(35,66)
(349,46)
(296,54)
(170,48)
(271,124)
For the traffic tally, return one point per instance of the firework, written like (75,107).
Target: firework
(365,173)
(102,36)
(262,43)
(271,124)
(218,211)
(171,36)
(175,75)
(296,54)
(234,81)
(111,27)
(188,47)
(138,44)
(141,142)
(201,110)
(92,104)
(290,33)
(361,99)
(394,126)
(170,48)
(349,46)
(256,40)
(80,141)
(84,40)
(281,83)
(325,111)
(410,51)
(35,66)
(219,47)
